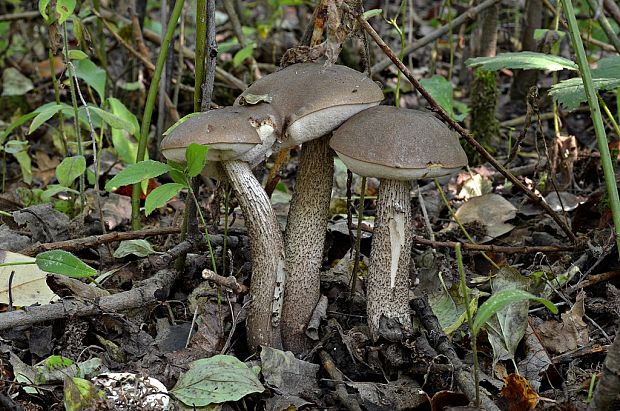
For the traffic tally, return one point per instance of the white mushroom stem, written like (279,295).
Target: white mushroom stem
(305,240)
(388,274)
(267,246)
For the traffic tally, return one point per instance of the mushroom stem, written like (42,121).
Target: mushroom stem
(267,249)
(305,240)
(388,273)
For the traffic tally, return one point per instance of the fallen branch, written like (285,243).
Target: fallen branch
(229,282)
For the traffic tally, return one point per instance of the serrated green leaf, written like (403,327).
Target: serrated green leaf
(135,173)
(570,93)
(161,195)
(525,60)
(196,156)
(69,169)
(242,54)
(215,380)
(92,74)
(77,55)
(64,263)
(140,248)
(500,300)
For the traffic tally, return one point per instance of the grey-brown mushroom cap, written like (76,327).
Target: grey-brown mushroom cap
(229,132)
(399,144)
(313,99)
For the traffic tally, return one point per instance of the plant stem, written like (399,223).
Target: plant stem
(201,39)
(470,321)
(597,119)
(358,238)
(150,104)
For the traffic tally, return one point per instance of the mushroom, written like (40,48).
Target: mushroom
(397,146)
(238,136)
(312,99)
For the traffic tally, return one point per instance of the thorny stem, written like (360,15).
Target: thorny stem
(538,201)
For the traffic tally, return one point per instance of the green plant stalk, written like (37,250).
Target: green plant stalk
(202,220)
(597,119)
(450,40)
(150,104)
(201,40)
(591,387)
(76,120)
(610,116)
(458,222)
(470,321)
(556,116)
(61,115)
(18,263)
(358,238)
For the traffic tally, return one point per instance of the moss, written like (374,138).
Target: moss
(484,125)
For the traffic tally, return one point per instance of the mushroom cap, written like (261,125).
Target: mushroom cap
(229,132)
(314,99)
(398,144)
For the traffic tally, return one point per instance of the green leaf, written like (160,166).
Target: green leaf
(77,55)
(607,67)
(215,380)
(25,164)
(80,394)
(112,120)
(135,173)
(525,60)
(121,111)
(43,9)
(125,145)
(500,300)
(243,54)
(92,74)
(140,248)
(64,263)
(69,169)
(54,362)
(44,115)
(372,13)
(52,189)
(64,8)
(181,121)
(161,195)
(196,156)
(21,120)
(442,91)
(570,93)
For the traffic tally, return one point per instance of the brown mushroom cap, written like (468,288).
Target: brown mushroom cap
(314,99)
(398,144)
(229,132)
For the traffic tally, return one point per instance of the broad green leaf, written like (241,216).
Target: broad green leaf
(43,10)
(77,55)
(52,189)
(135,173)
(442,91)
(178,177)
(64,263)
(450,309)
(80,394)
(161,195)
(243,54)
(196,156)
(607,67)
(570,93)
(123,140)
(121,111)
(69,169)
(64,8)
(21,120)
(215,380)
(112,120)
(500,300)
(44,115)
(56,362)
(525,60)
(140,248)
(93,75)
(16,146)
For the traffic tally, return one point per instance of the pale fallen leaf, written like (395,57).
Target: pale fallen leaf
(491,210)
(569,334)
(28,286)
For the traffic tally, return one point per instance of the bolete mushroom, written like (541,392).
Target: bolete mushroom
(312,99)
(237,136)
(397,146)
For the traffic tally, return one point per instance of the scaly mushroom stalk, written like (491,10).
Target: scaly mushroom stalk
(390,256)
(400,145)
(313,99)
(305,239)
(267,250)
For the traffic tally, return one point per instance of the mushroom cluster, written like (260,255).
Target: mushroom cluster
(304,104)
